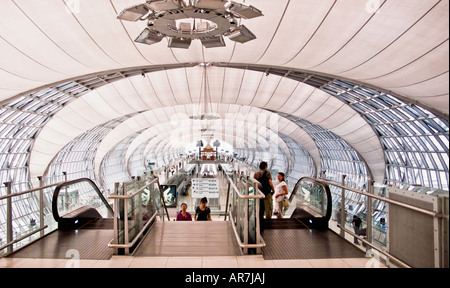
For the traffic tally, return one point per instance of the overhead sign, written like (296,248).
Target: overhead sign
(205,187)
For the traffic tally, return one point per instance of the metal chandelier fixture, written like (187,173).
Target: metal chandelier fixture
(181,21)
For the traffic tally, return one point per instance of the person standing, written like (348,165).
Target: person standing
(183,215)
(263,176)
(356,223)
(281,192)
(202,212)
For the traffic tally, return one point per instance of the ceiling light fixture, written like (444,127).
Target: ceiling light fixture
(182,21)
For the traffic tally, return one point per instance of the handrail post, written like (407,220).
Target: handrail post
(228,199)
(9,230)
(116,215)
(257,221)
(125,219)
(139,216)
(369,207)
(246,214)
(41,205)
(343,206)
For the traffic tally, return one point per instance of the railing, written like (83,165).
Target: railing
(61,202)
(243,198)
(314,202)
(367,240)
(42,223)
(135,210)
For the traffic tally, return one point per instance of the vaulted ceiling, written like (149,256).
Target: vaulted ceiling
(400,47)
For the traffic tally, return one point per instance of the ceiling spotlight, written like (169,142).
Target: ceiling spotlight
(246,12)
(242,35)
(181,21)
(149,37)
(134,13)
(162,5)
(177,42)
(212,42)
(210,4)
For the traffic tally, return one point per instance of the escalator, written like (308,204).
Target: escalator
(77,213)
(312,207)
(85,225)
(303,232)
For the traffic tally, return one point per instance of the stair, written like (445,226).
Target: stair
(193,238)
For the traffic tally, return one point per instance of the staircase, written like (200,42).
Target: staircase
(190,238)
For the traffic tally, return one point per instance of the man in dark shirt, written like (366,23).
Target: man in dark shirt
(263,176)
(356,225)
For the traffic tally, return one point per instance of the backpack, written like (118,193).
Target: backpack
(264,183)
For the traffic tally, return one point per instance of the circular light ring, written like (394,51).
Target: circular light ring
(164,23)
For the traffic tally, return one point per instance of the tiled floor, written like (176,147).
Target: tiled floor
(190,262)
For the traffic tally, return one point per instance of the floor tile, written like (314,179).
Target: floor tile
(292,263)
(42,263)
(114,262)
(256,261)
(328,263)
(149,262)
(220,262)
(364,263)
(184,262)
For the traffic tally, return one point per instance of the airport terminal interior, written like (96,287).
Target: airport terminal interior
(316,131)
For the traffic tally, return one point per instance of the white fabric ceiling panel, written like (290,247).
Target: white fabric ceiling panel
(430,65)
(162,87)
(13,75)
(311,105)
(45,24)
(145,90)
(352,127)
(407,49)
(370,145)
(338,117)
(296,26)
(338,27)
(215,84)
(89,114)
(382,30)
(284,91)
(264,29)
(100,104)
(301,94)
(115,100)
(250,84)
(195,77)
(233,79)
(193,54)
(51,141)
(119,133)
(323,116)
(427,89)
(131,96)
(10,84)
(107,32)
(179,85)
(266,90)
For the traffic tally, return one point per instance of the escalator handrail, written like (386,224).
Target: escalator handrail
(62,184)
(327,191)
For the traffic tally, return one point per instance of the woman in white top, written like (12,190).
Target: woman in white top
(281,192)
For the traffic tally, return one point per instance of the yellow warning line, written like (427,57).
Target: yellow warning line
(302,223)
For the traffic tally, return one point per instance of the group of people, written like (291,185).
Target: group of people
(202,212)
(278,192)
